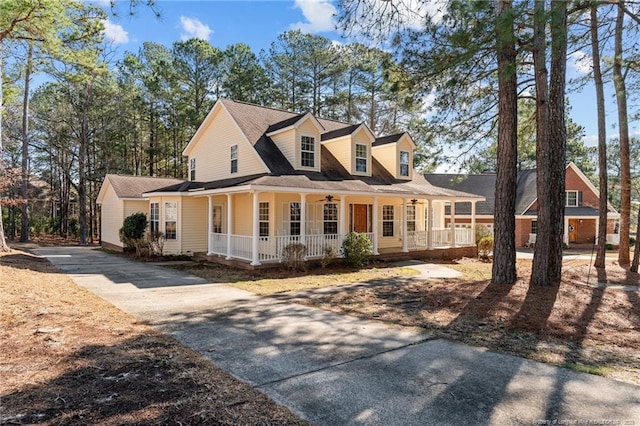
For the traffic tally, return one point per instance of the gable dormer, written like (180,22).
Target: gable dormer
(395,153)
(298,138)
(351,146)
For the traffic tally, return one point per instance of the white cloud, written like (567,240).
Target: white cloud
(115,33)
(580,62)
(319,14)
(194,28)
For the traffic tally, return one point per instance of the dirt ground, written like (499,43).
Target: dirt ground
(69,357)
(595,330)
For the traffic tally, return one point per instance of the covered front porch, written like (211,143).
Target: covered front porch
(256,225)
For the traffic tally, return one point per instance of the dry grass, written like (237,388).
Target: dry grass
(69,357)
(272,281)
(573,325)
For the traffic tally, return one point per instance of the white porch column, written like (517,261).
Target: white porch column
(453,223)
(342,219)
(473,222)
(405,237)
(375,226)
(303,219)
(229,224)
(256,231)
(598,231)
(566,231)
(429,219)
(209,217)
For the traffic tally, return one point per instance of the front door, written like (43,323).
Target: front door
(573,230)
(360,218)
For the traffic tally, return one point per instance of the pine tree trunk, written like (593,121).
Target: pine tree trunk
(636,249)
(558,136)
(602,142)
(4,247)
(24,229)
(623,125)
(504,252)
(540,267)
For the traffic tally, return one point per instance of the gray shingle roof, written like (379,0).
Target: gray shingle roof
(387,139)
(483,185)
(134,186)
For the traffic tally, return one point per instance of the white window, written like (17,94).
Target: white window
(294,218)
(534,226)
(404,163)
(411,218)
(572,199)
(171,221)
(154,217)
(307,151)
(387,221)
(217,218)
(234,158)
(361,158)
(192,168)
(330,218)
(263,219)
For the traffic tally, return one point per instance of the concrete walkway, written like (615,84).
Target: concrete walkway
(332,369)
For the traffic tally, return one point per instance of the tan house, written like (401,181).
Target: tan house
(261,178)
(121,196)
(580,213)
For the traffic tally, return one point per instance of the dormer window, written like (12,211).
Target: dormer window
(234,158)
(404,163)
(307,151)
(361,158)
(192,169)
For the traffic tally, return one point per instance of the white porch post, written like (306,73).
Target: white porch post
(473,222)
(256,231)
(453,223)
(566,230)
(229,224)
(209,217)
(375,226)
(429,220)
(342,220)
(303,219)
(597,230)
(405,237)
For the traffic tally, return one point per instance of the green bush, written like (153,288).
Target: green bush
(609,246)
(133,230)
(482,231)
(632,241)
(356,249)
(485,246)
(293,256)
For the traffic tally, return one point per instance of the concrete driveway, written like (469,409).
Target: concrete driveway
(332,369)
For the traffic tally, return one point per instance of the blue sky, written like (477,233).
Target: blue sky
(258,23)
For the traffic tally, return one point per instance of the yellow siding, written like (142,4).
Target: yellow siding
(285,141)
(194,224)
(243,214)
(135,206)
(362,138)
(111,217)
(396,240)
(387,156)
(213,151)
(343,151)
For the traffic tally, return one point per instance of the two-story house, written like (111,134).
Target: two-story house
(261,178)
(580,212)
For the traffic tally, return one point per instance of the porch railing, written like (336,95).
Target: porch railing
(440,237)
(464,236)
(241,246)
(218,244)
(613,238)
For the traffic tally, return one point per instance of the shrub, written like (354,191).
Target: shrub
(632,241)
(132,231)
(155,240)
(293,256)
(485,246)
(328,254)
(609,246)
(356,249)
(482,231)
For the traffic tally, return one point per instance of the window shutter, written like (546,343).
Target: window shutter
(579,198)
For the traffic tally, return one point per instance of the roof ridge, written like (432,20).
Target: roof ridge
(138,176)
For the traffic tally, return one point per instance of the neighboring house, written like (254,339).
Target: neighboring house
(581,209)
(121,196)
(262,178)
